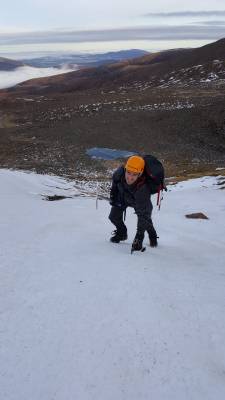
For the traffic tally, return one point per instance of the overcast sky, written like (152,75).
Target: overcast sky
(100,25)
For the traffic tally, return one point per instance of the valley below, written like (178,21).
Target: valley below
(47,125)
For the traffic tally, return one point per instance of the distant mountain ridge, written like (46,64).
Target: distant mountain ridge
(7,64)
(155,69)
(83,59)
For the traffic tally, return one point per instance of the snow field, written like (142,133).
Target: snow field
(83,318)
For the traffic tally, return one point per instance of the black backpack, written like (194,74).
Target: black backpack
(155,175)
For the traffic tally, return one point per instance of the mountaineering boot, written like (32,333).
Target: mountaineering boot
(137,243)
(119,234)
(153,238)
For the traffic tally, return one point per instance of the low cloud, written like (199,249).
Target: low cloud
(212,23)
(21,74)
(160,32)
(182,14)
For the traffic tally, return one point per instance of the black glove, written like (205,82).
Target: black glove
(137,243)
(111,202)
(115,204)
(114,201)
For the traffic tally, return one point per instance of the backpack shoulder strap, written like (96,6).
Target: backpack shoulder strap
(141,181)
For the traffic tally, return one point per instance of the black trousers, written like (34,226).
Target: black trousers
(116,217)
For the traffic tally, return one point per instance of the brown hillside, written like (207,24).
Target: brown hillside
(140,69)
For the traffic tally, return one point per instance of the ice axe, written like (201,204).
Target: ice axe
(142,250)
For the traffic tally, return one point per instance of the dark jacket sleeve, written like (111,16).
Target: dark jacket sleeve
(115,195)
(143,209)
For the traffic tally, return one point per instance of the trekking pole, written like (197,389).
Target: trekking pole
(160,200)
(96,201)
(160,195)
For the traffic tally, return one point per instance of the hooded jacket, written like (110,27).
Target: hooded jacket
(137,195)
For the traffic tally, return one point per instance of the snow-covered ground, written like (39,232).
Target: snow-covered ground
(81,318)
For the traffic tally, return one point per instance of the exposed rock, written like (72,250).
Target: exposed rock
(196,216)
(56,197)
(221,182)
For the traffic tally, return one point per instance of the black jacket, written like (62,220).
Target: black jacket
(136,195)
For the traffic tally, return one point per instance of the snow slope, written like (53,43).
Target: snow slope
(81,318)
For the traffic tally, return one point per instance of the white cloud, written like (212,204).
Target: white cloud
(18,52)
(21,74)
(67,23)
(211,13)
(157,32)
